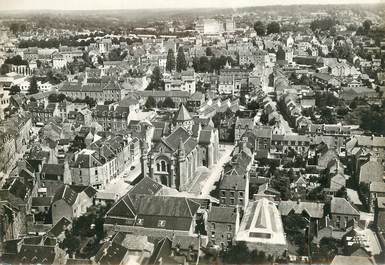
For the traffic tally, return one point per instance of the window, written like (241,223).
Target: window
(229,228)
(161,223)
(232,193)
(241,194)
(223,193)
(212,226)
(232,201)
(213,234)
(229,236)
(96,171)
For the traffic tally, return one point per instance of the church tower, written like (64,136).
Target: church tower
(183,119)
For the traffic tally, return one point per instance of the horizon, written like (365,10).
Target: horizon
(116,5)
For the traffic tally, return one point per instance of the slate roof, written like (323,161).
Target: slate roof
(205,136)
(110,253)
(313,209)
(371,171)
(90,191)
(41,201)
(67,194)
(167,206)
(377,187)
(162,249)
(123,208)
(222,215)
(33,254)
(51,170)
(182,114)
(233,182)
(342,206)
(146,186)
(59,227)
(352,260)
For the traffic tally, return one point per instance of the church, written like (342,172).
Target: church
(173,159)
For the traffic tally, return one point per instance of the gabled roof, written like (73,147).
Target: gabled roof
(124,208)
(222,215)
(313,209)
(110,253)
(59,227)
(352,260)
(35,254)
(342,206)
(66,194)
(145,186)
(167,206)
(162,249)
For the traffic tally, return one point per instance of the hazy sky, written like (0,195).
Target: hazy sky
(138,4)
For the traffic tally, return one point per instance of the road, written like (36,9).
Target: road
(120,185)
(206,182)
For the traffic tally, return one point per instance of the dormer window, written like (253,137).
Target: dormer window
(140,221)
(161,223)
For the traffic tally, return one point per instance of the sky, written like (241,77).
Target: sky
(148,4)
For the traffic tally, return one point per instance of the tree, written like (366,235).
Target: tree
(70,242)
(168,103)
(181,63)
(209,52)
(342,193)
(33,89)
(260,28)
(273,27)
(4,69)
(367,24)
(156,82)
(150,103)
(280,54)
(15,90)
(253,105)
(170,63)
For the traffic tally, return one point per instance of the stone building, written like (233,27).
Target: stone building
(174,159)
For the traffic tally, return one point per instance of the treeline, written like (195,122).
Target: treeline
(71,42)
(323,24)
(270,28)
(205,64)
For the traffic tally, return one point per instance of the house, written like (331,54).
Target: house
(352,260)
(379,215)
(112,117)
(350,93)
(342,214)
(222,225)
(184,81)
(58,229)
(371,171)
(71,202)
(261,228)
(376,190)
(312,210)
(234,187)
(153,215)
(40,254)
(112,253)
(195,101)
(243,125)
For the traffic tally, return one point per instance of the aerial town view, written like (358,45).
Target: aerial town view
(192,132)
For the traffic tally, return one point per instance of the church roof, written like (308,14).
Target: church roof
(183,114)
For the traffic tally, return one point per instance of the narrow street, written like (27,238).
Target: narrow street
(206,182)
